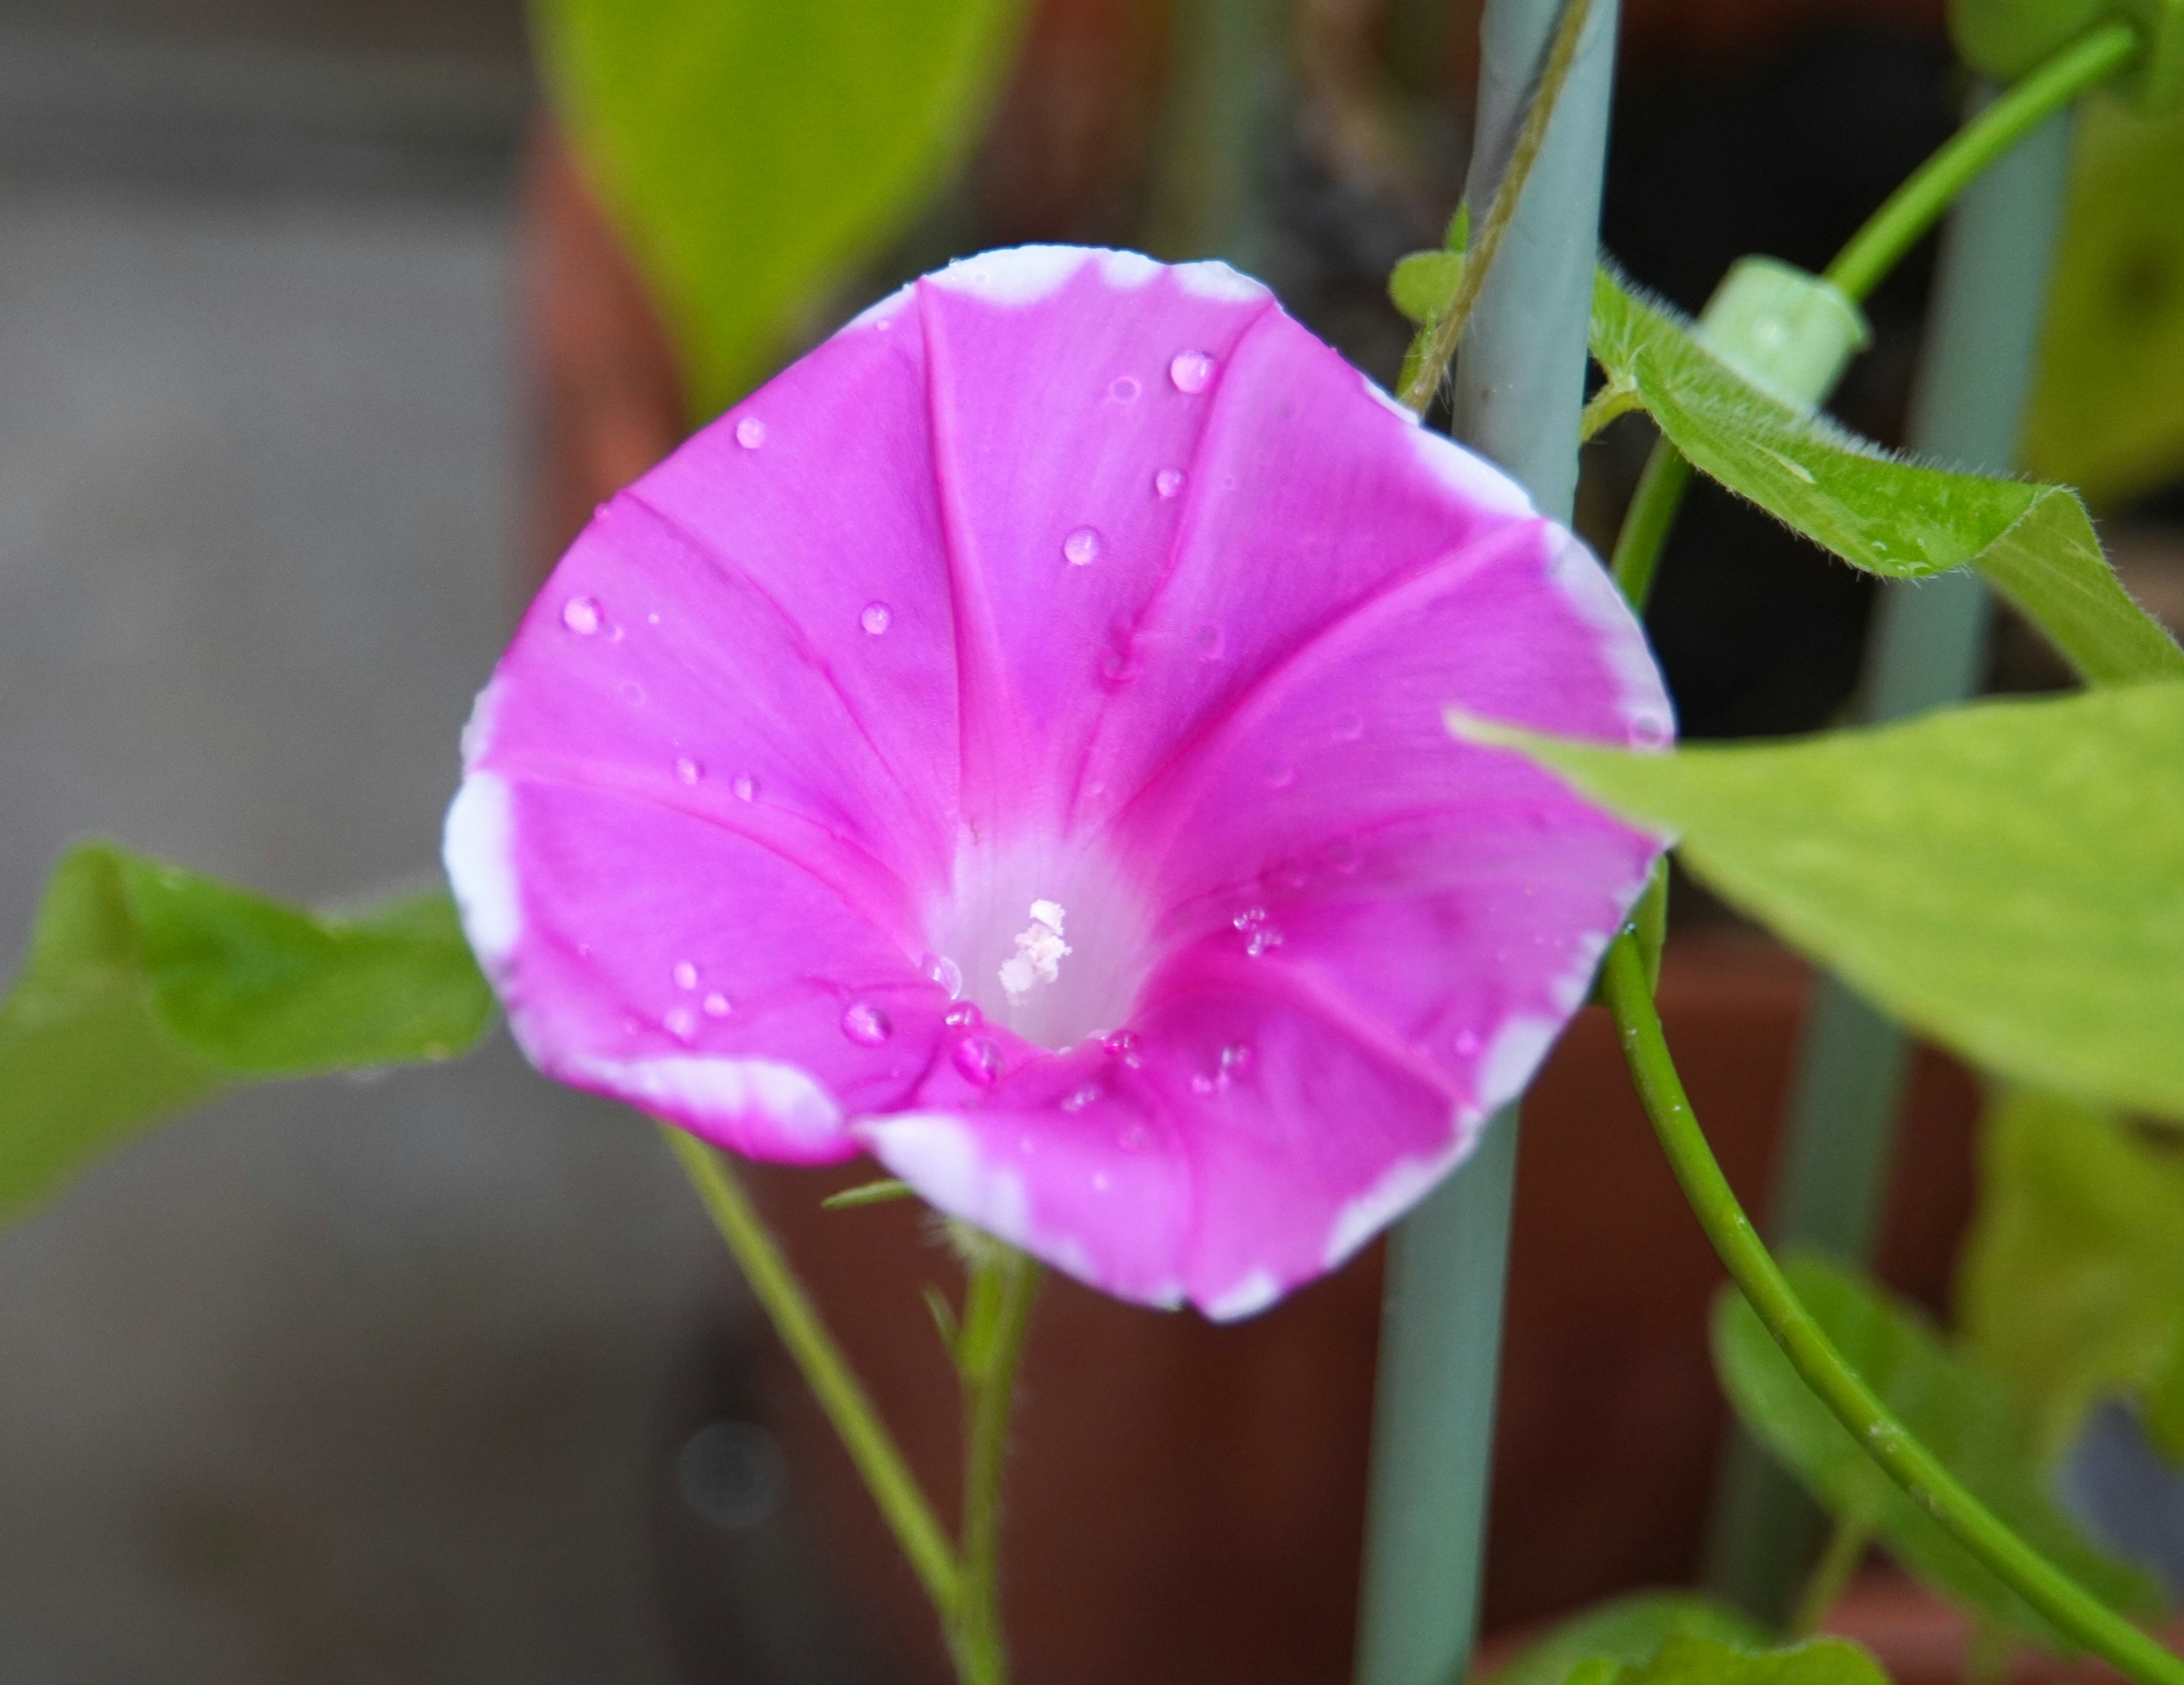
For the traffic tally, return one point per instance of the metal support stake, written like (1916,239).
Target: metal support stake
(1520,383)
(1927,648)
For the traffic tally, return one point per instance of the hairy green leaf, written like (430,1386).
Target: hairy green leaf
(2105,415)
(753,151)
(1691,1659)
(2071,1286)
(147,988)
(1628,1630)
(2008,877)
(1424,284)
(2034,544)
(1964,1416)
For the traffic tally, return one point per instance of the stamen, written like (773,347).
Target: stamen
(1039,953)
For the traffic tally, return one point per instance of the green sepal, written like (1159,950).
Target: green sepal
(147,988)
(1964,1416)
(2008,877)
(2034,544)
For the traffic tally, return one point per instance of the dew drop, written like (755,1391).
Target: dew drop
(1125,389)
(963,1016)
(876,618)
(685,975)
(1134,1138)
(1279,774)
(1192,371)
(978,1060)
(1649,729)
(716,1005)
(1202,1083)
(750,432)
(945,972)
(687,770)
(581,615)
(1079,1098)
(866,1025)
(1080,547)
(1123,1045)
(1262,940)
(1250,919)
(1168,482)
(653,619)
(1349,726)
(632,692)
(682,1023)
(1209,641)
(1238,1058)
(1119,667)
(745,787)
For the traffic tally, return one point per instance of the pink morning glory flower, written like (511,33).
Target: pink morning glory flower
(1011,745)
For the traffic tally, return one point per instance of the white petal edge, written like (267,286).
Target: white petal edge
(1506,1069)
(1215,281)
(1467,474)
(1402,1186)
(1248,1298)
(698,1090)
(1575,572)
(477,849)
(1020,274)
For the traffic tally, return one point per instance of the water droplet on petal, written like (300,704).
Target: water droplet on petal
(1341,855)
(1191,371)
(1649,728)
(1349,726)
(1125,389)
(685,975)
(750,433)
(1134,1138)
(1238,1058)
(1123,1045)
(687,770)
(945,972)
(716,1005)
(653,618)
(1209,641)
(581,615)
(682,1023)
(876,618)
(1079,1098)
(1119,667)
(963,1016)
(632,692)
(1279,774)
(1262,939)
(1080,547)
(866,1025)
(979,1060)
(1202,1083)
(745,787)
(1250,919)
(1168,482)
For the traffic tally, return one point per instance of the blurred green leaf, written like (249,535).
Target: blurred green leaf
(1689,1659)
(2007,876)
(1628,1630)
(2071,1285)
(2033,543)
(1424,284)
(147,988)
(2105,414)
(2005,38)
(1964,1416)
(754,151)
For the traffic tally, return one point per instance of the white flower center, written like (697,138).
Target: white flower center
(1039,953)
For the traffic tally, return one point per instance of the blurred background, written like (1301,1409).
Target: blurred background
(314,347)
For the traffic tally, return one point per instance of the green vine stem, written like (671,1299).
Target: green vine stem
(1481,251)
(2074,1612)
(871,1447)
(1825,1585)
(996,1314)
(1891,231)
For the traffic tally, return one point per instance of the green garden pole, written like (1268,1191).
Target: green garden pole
(1926,649)
(1519,386)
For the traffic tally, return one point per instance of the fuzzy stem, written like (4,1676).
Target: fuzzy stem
(871,1447)
(1448,330)
(2075,1611)
(997,1312)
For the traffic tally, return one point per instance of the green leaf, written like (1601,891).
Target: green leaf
(1695,1660)
(1964,1416)
(1423,285)
(2071,1286)
(754,151)
(2008,877)
(2105,415)
(147,988)
(2034,544)
(2005,38)
(1627,1630)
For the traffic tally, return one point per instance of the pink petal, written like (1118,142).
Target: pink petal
(1063,578)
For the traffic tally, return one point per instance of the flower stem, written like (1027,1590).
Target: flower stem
(871,1447)
(1647,522)
(1918,204)
(2076,1612)
(1825,1586)
(1447,331)
(996,1313)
